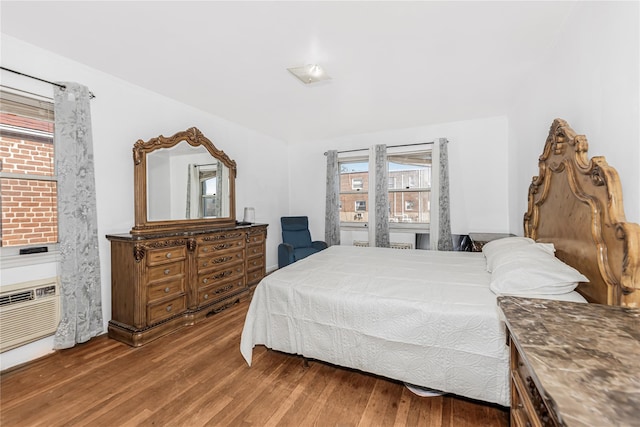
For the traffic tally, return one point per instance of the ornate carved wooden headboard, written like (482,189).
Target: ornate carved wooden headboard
(576,204)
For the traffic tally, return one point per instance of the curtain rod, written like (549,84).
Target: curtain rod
(388,146)
(61,86)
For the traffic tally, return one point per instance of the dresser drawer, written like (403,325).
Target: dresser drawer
(222,236)
(256,239)
(207,249)
(214,293)
(162,272)
(159,256)
(255,251)
(527,403)
(164,289)
(227,273)
(219,259)
(254,277)
(255,263)
(161,311)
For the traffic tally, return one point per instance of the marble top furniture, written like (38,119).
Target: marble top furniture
(584,359)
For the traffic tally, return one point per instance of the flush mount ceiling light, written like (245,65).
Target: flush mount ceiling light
(311,73)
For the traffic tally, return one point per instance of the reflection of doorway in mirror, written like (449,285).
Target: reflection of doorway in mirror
(208,190)
(204,191)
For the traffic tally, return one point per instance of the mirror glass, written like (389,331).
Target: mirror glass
(186,182)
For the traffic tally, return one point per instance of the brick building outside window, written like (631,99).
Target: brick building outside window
(27,175)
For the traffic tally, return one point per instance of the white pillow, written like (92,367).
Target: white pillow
(531,269)
(495,250)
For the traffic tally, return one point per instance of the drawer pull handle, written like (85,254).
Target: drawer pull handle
(166,290)
(206,296)
(169,308)
(224,289)
(204,264)
(167,271)
(223,274)
(205,250)
(205,280)
(168,254)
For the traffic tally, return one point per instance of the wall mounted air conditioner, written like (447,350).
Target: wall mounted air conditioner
(28,311)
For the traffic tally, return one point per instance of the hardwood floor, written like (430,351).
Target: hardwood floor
(197,377)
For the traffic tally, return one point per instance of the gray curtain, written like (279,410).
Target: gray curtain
(332,213)
(382,197)
(192,174)
(445,240)
(81,300)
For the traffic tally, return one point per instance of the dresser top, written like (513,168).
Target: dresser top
(585,358)
(193,233)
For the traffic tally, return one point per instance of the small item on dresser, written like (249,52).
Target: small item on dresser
(249,215)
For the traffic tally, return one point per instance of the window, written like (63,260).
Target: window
(409,189)
(27,176)
(207,175)
(409,198)
(354,187)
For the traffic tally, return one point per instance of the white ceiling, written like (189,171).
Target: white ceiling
(393,64)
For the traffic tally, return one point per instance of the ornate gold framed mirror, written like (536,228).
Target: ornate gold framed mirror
(182,183)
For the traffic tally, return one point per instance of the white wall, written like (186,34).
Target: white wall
(591,80)
(123,113)
(478,172)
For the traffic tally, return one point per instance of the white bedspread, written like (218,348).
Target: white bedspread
(423,317)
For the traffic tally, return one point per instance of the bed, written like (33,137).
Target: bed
(430,318)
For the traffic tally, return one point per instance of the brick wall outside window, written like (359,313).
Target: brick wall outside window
(29,206)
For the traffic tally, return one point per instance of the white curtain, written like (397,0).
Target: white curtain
(81,300)
(332,201)
(381,196)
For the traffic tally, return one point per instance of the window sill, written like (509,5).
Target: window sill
(14,261)
(407,226)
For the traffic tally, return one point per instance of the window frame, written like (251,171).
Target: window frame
(362,208)
(34,106)
(394,226)
(357,184)
(411,188)
(344,225)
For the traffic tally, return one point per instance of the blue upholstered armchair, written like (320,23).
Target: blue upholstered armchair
(296,240)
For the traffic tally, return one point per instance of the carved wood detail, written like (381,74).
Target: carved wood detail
(166,244)
(192,135)
(222,237)
(138,252)
(580,200)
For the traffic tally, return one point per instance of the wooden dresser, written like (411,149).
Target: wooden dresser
(572,364)
(160,283)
